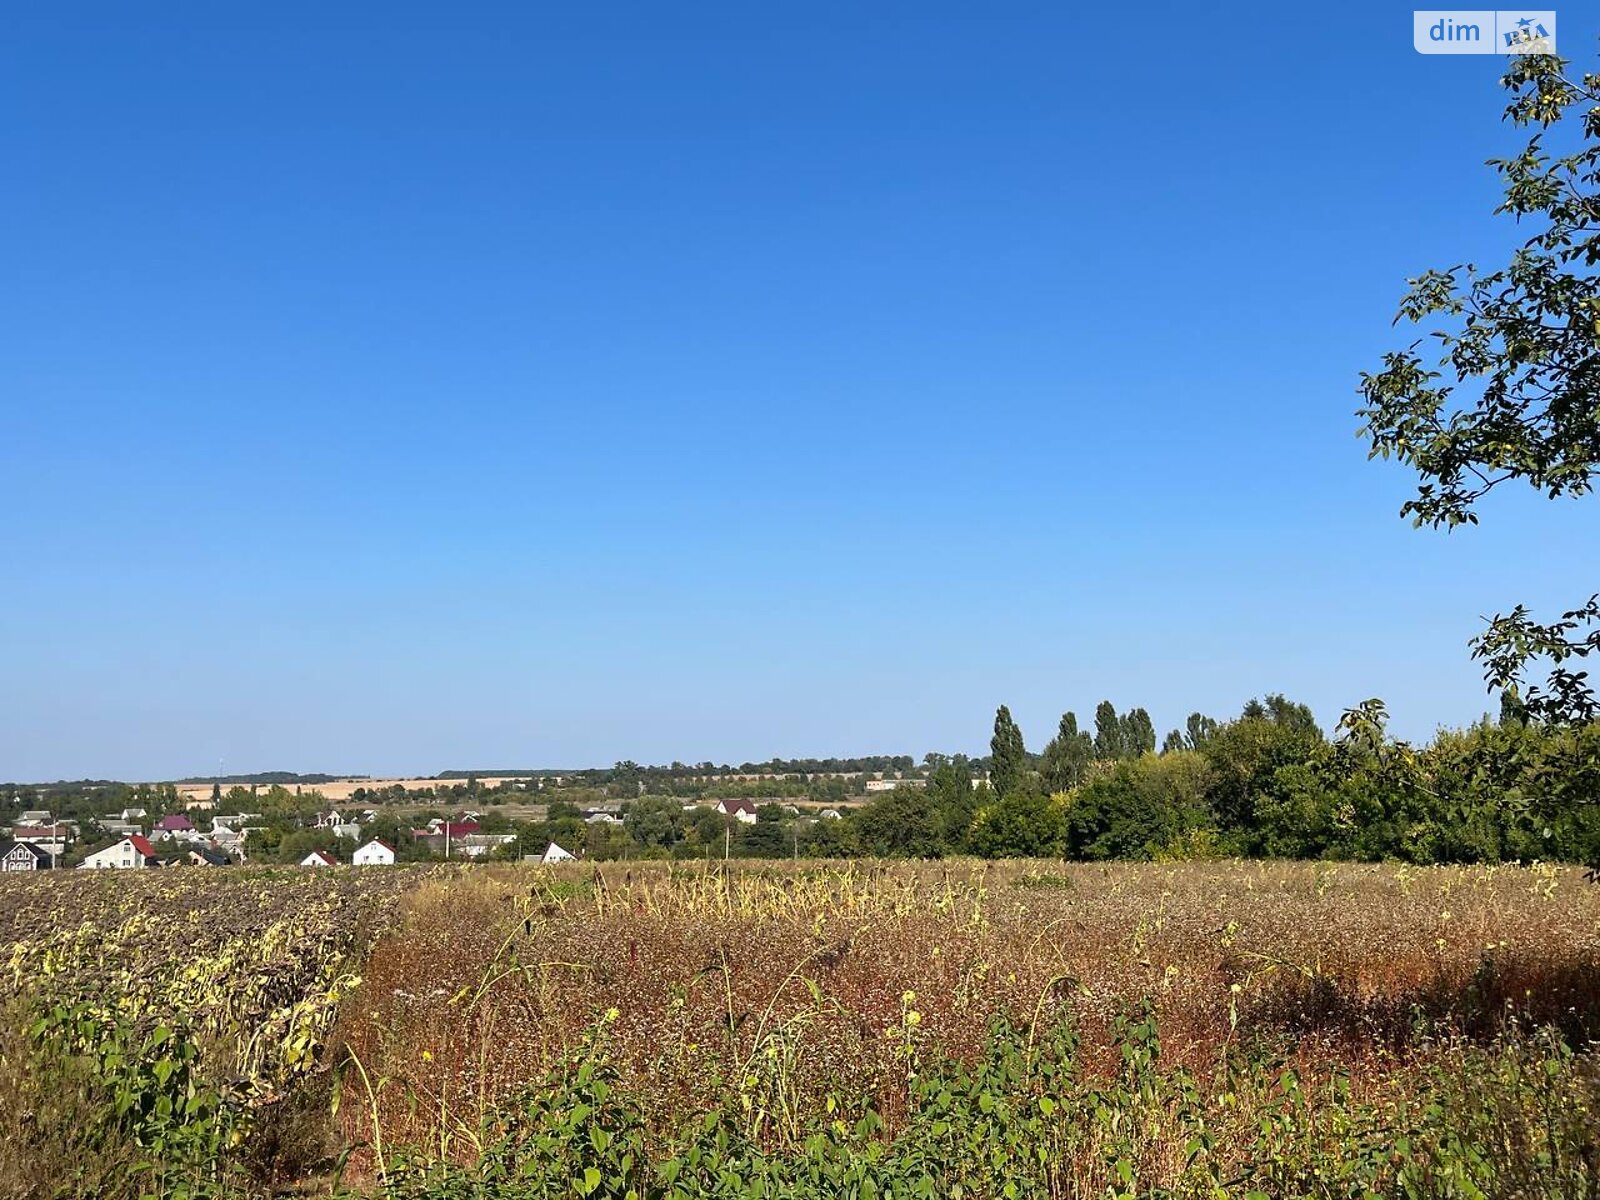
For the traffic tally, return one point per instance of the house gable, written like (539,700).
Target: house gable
(25,857)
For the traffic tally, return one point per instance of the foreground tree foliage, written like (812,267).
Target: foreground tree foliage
(1510,388)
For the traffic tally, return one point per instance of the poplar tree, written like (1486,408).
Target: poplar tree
(1008,757)
(1198,730)
(1108,731)
(1067,757)
(1138,733)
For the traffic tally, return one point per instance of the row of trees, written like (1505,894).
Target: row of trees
(1267,783)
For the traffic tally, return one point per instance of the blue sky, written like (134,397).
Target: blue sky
(406,388)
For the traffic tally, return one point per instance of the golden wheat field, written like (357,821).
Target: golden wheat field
(342,1013)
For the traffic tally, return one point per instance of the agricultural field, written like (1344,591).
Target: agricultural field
(1244,1030)
(339,791)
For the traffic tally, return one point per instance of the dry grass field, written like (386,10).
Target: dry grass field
(388,1030)
(486,984)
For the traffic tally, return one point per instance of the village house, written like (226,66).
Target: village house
(132,814)
(481,845)
(25,856)
(319,858)
(555,854)
(376,853)
(53,839)
(742,811)
(35,816)
(130,853)
(227,835)
(172,826)
(444,836)
(207,856)
(888,785)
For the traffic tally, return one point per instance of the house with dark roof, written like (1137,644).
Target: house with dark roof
(742,811)
(25,856)
(208,856)
(172,824)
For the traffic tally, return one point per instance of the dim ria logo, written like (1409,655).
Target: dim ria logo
(1468,31)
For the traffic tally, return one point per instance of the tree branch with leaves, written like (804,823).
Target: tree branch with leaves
(1509,388)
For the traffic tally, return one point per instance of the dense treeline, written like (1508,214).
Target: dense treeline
(1268,783)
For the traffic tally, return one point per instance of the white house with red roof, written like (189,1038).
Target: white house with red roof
(129,854)
(319,858)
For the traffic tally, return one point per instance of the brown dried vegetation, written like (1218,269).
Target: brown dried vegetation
(791,982)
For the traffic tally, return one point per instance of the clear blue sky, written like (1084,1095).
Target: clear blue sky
(393,388)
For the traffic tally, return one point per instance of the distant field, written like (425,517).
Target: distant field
(343,789)
(1134,1027)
